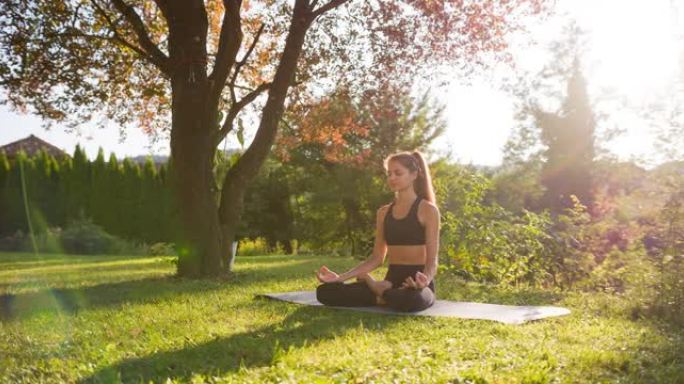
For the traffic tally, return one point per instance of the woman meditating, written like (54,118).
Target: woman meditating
(407,231)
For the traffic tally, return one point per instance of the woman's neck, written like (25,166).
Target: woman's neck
(405,197)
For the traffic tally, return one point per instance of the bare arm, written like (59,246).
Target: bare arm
(432,222)
(379,250)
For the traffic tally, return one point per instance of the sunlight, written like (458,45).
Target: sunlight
(634,49)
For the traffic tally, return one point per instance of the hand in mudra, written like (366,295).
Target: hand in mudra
(420,282)
(326,276)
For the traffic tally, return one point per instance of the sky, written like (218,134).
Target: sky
(634,55)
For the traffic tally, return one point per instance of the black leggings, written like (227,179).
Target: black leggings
(359,295)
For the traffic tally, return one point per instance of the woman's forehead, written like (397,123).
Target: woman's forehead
(395,165)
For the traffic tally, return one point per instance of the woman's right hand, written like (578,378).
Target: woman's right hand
(326,276)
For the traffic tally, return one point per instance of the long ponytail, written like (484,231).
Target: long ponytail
(415,162)
(423,184)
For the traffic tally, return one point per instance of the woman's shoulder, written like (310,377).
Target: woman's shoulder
(427,206)
(383,209)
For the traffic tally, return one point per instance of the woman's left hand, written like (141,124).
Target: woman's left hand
(420,282)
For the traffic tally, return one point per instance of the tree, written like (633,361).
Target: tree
(339,145)
(4,177)
(205,63)
(569,154)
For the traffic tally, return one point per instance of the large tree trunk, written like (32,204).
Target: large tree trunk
(248,165)
(192,149)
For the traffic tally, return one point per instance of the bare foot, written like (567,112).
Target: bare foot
(363,278)
(378,287)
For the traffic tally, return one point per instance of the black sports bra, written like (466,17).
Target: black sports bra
(405,231)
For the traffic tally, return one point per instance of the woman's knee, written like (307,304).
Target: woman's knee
(345,295)
(327,292)
(409,300)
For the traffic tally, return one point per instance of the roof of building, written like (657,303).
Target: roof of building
(31,145)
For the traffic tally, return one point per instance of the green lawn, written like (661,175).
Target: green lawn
(111,319)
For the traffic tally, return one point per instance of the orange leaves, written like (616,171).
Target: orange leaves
(215,13)
(330,128)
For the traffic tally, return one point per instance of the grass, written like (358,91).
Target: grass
(111,319)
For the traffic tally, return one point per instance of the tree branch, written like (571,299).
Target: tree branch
(235,108)
(229,45)
(155,54)
(325,8)
(115,39)
(119,38)
(163,7)
(242,62)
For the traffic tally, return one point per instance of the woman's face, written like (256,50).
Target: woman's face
(399,177)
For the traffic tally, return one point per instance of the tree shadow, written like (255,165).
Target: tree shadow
(260,347)
(137,291)
(72,300)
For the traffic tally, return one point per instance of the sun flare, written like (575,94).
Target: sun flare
(635,47)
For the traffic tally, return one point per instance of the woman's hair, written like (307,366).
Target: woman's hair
(415,162)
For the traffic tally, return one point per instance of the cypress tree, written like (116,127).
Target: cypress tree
(39,193)
(569,137)
(81,183)
(150,230)
(129,220)
(4,176)
(16,214)
(63,197)
(113,181)
(99,197)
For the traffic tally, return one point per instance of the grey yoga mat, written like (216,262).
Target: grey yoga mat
(509,314)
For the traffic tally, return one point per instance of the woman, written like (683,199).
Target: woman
(407,231)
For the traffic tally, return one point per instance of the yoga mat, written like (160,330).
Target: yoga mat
(508,314)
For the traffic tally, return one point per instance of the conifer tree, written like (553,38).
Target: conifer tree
(569,139)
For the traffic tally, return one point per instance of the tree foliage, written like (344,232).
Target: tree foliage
(206,64)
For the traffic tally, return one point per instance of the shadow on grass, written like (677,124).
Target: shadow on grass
(261,347)
(71,300)
(138,291)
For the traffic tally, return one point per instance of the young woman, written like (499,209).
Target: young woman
(407,231)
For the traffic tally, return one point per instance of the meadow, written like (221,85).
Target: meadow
(129,319)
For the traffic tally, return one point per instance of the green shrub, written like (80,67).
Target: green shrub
(253,247)
(82,236)
(46,242)
(14,242)
(484,242)
(161,249)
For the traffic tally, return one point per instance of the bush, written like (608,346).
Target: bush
(82,236)
(14,242)
(255,247)
(161,249)
(486,242)
(46,242)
